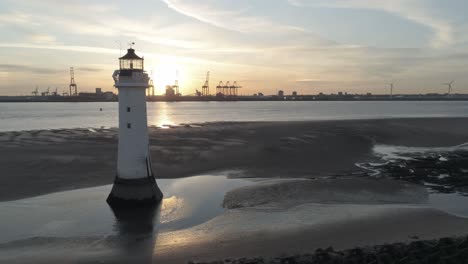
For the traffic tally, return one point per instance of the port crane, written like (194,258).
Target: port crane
(173,90)
(176,84)
(46,93)
(151,86)
(232,89)
(226,88)
(206,86)
(73,85)
(35,92)
(219,88)
(235,88)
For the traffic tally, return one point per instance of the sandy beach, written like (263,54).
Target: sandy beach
(300,186)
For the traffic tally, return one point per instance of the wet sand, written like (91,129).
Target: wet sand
(44,161)
(395,225)
(80,228)
(389,226)
(344,210)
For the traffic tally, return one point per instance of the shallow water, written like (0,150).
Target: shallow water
(188,202)
(78,225)
(84,212)
(452,203)
(389,153)
(30,116)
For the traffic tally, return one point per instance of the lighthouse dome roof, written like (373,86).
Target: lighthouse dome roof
(130,55)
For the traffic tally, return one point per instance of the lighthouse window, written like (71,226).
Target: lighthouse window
(128,109)
(129,125)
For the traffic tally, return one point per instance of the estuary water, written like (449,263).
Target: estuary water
(31,116)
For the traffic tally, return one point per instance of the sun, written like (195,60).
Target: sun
(165,72)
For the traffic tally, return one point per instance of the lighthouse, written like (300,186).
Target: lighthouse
(134,183)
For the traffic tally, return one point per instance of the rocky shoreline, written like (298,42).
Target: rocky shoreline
(444,250)
(443,171)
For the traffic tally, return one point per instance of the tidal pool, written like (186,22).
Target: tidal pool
(84,212)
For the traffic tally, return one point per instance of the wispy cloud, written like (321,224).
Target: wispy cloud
(418,11)
(87,49)
(100,23)
(157,56)
(16,18)
(213,13)
(90,69)
(26,68)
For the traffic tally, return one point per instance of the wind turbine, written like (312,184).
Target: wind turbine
(449,87)
(391,90)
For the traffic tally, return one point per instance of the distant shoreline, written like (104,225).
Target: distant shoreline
(288,98)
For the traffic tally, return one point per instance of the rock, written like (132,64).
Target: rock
(444,250)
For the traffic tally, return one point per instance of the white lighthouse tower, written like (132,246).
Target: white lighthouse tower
(134,183)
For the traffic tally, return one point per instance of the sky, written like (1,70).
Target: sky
(308,46)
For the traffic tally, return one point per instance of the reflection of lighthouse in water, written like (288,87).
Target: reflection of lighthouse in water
(134,183)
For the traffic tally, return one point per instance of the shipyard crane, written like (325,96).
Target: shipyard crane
(73,85)
(206,86)
(449,85)
(35,92)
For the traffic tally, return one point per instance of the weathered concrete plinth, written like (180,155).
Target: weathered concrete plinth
(134,192)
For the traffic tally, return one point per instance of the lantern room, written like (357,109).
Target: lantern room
(131,62)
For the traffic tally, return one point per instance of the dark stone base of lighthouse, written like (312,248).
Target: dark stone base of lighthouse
(134,192)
